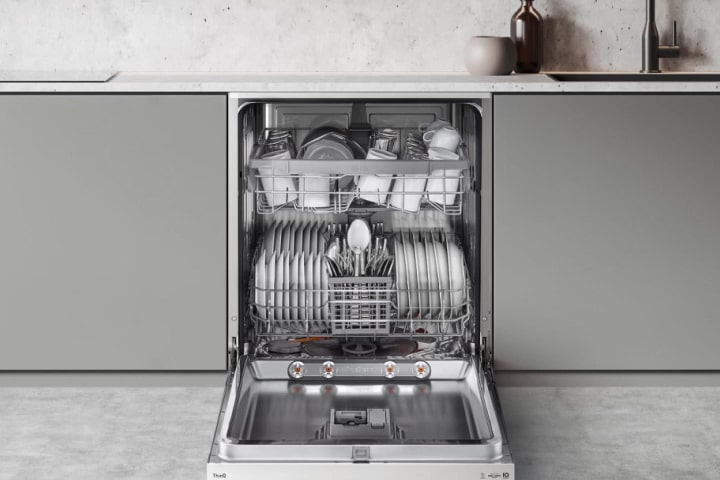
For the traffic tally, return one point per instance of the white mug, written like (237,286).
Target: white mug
(446,138)
(279,189)
(430,128)
(374,188)
(441,189)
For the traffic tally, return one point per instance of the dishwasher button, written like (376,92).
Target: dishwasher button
(296,370)
(328,369)
(390,369)
(421,369)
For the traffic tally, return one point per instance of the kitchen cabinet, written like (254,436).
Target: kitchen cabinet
(113,232)
(606,232)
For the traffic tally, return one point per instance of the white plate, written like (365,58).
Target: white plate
(457,277)
(279,284)
(422,273)
(302,287)
(446,241)
(324,296)
(317,281)
(314,239)
(310,286)
(278,237)
(287,233)
(444,275)
(260,272)
(322,243)
(270,285)
(306,238)
(412,275)
(401,278)
(433,280)
(299,231)
(294,280)
(286,286)
(269,240)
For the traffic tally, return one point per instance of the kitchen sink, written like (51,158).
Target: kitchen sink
(635,77)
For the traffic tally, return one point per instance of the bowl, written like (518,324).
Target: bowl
(490,55)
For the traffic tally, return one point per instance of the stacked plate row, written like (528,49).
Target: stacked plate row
(431,276)
(291,279)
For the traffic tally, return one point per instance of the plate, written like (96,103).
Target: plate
(306,238)
(412,275)
(401,278)
(324,296)
(270,285)
(457,277)
(310,286)
(278,237)
(317,281)
(269,240)
(444,276)
(322,242)
(294,280)
(299,231)
(279,276)
(302,290)
(260,272)
(287,232)
(433,280)
(422,273)
(314,239)
(286,286)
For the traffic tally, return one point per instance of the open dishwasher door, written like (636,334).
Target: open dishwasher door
(370,360)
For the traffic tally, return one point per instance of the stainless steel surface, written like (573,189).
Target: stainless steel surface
(634,77)
(113,232)
(433,420)
(606,232)
(652,51)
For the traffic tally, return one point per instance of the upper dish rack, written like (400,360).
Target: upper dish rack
(334,185)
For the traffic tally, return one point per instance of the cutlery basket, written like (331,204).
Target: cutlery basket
(360,305)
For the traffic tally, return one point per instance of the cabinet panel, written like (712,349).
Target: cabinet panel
(606,232)
(113,214)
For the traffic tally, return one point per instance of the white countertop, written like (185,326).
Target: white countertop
(342,84)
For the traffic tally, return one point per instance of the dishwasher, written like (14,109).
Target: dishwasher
(360,323)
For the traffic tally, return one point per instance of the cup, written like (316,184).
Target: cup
(314,191)
(374,188)
(279,188)
(430,128)
(443,184)
(445,137)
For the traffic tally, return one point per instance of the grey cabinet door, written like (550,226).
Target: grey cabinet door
(112,232)
(607,232)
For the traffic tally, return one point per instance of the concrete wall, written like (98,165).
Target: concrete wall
(332,35)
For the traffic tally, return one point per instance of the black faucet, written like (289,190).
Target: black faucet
(652,51)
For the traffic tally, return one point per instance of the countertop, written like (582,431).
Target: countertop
(568,433)
(342,84)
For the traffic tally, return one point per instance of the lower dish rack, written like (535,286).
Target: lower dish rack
(365,306)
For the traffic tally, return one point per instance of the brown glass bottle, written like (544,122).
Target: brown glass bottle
(526,31)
